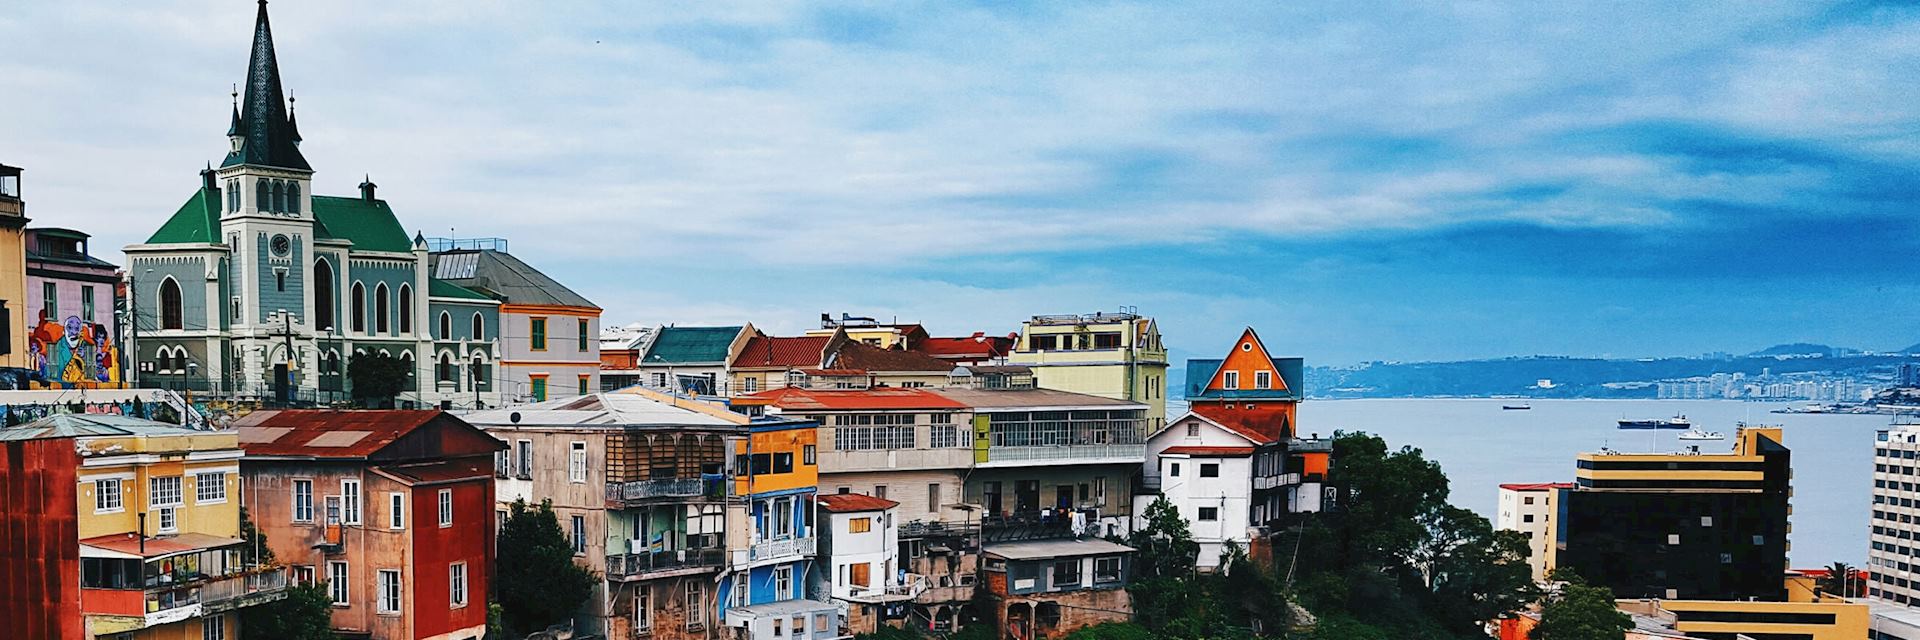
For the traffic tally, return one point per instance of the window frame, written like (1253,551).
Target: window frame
(200,486)
(396,510)
(457,585)
(577,462)
(537,333)
(339,583)
(388,587)
(302,500)
(350,495)
(445,504)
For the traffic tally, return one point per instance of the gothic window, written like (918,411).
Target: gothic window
(380,308)
(323,295)
(359,309)
(293,198)
(447,371)
(279,196)
(171,314)
(479,327)
(406,309)
(233,196)
(446,326)
(262,195)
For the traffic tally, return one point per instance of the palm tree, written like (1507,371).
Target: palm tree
(1840,581)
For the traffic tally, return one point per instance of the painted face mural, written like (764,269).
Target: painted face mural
(74,354)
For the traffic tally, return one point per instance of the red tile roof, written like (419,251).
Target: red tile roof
(772,352)
(866,357)
(129,543)
(1212,452)
(796,399)
(979,345)
(326,434)
(1537,486)
(1260,428)
(850,502)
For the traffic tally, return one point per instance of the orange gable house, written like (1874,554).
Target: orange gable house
(1248,390)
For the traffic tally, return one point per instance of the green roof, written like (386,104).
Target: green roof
(437,288)
(369,224)
(679,345)
(195,222)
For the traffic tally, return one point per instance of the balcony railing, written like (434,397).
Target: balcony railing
(1015,455)
(172,604)
(636,565)
(708,485)
(924,529)
(773,549)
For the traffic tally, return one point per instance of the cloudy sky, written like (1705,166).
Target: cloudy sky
(1357,181)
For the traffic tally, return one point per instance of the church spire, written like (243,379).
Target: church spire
(267,130)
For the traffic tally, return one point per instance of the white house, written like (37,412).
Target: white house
(859,559)
(1530,509)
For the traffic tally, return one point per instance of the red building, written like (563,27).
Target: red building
(39,537)
(393,509)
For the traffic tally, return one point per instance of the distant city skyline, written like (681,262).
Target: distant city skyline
(1382,183)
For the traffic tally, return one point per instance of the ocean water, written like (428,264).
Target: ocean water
(1481,446)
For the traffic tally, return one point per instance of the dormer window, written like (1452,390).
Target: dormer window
(237,142)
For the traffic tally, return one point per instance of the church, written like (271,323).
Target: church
(259,288)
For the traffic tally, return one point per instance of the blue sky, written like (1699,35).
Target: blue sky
(1357,181)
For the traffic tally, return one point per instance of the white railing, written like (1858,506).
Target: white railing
(665,488)
(1134,452)
(771,549)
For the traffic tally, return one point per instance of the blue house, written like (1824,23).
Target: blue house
(765,589)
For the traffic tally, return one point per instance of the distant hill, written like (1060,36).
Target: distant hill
(1797,349)
(1580,377)
(1910,349)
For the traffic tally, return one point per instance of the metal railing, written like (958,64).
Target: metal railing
(1066,452)
(215,595)
(771,549)
(924,529)
(663,488)
(634,565)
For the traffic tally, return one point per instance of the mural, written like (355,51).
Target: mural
(74,354)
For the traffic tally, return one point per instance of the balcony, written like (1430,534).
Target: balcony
(1009,456)
(172,603)
(640,566)
(792,548)
(937,529)
(710,486)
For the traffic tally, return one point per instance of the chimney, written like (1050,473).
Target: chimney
(366,189)
(207,179)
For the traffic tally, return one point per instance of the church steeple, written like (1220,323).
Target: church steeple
(265,129)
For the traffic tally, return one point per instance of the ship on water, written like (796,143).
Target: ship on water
(1676,422)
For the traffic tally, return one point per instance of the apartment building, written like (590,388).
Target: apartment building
(392,509)
(777,474)
(1050,588)
(1111,355)
(1532,509)
(859,561)
(126,528)
(1893,592)
(1052,459)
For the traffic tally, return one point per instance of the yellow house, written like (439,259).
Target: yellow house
(13,269)
(159,526)
(1112,355)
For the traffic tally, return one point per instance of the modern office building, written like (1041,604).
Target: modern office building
(1532,509)
(1111,355)
(1893,592)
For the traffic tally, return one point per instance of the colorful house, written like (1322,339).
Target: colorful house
(392,509)
(766,585)
(74,341)
(549,335)
(860,561)
(142,517)
(15,318)
(1111,355)
(1234,465)
(692,359)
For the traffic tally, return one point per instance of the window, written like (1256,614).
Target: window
(1066,573)
(583,335)
(446,326)
(350,501)
(1230,380)
(446,507)
(1106,569)
(783,462)
(526,459)
(944,437)
(380,308)
(210,488)
(1174,470)
(163,496)
(171,316)
(859,525)
(323,295)
(642,605)
(279,279)
(880,491)
(457,584)
(1209,514)
(585,380)
(1527,518)
(577,462)
(213,627)
(859,574)
(538,333)
(303,501)
(303,574)
(359,308)
(933,497)
(262,196)
(1263,379)
(479,327)
(1193,429)
(396,510)
(782,582)
(49,302)
(406,309)
(810,454)
(86,303)
(293,198)
(1527,500)
(579,535)
(696,611)
(539,388)
(778,627)
(389,591)
(106,496)
(1209,470)
(337,582)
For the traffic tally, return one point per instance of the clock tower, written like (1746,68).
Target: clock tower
(267,225)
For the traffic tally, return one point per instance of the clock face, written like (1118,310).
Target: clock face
(280,245)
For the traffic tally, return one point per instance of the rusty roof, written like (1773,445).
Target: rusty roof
(796,399)
(851,502)
(866,357)
(345,435)
(782,353)
(1212,452)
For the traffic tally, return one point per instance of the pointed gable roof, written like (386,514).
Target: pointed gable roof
(771,352)
(263,118)
(1206,378)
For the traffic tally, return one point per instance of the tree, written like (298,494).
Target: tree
(255,552)
(1472,573)
(539,584)
(305,614)
(1840,581)
(1580,612)
(1164,548)
(377,378)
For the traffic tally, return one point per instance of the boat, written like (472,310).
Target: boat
(1515,407)
(1696,434)
(1676,422)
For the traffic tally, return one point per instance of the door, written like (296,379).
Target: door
(281,384)
(1026,496)
(1063,497)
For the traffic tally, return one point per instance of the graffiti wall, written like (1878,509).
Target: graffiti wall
(74,354)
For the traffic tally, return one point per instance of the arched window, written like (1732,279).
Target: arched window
(293,198)
(359,308)
(323,295)
(479,327)
(406,362)
(262,195)
(448,373)
(171,315)
(279,195)
(380,308)
(406,309)
(446,326)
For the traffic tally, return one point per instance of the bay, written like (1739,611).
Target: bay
(1480,446)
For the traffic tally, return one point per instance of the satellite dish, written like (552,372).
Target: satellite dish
(515,417)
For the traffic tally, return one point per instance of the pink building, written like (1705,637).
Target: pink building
(73,333)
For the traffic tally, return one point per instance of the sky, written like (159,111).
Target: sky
(1357,181)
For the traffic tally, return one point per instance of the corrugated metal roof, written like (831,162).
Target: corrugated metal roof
(1030,399)
(851,502)
(317,433)
(83,425)
(1068,547)
(687,345)
(505,278)
(621,409)
(796,399)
